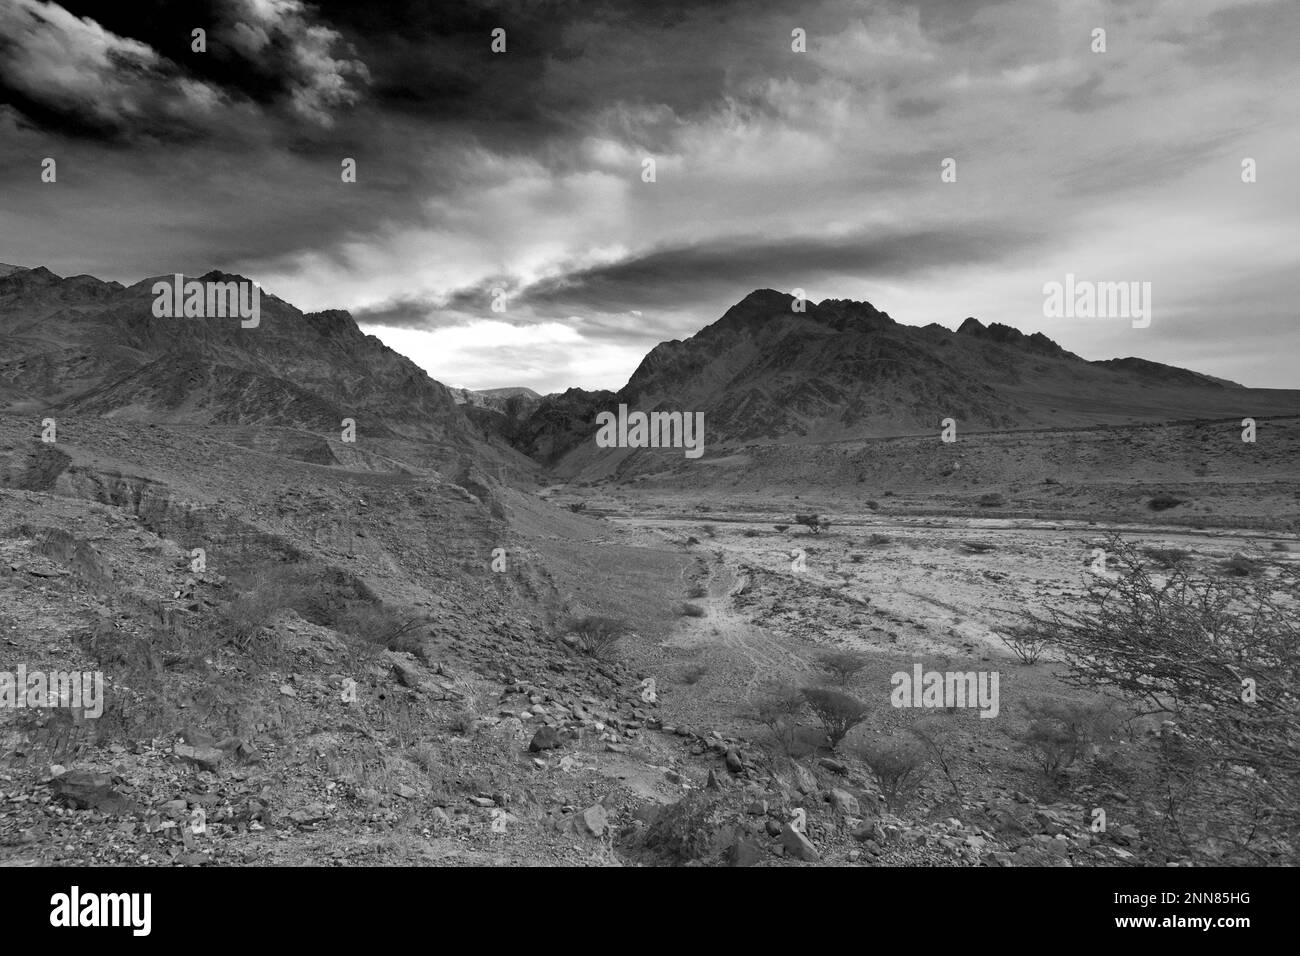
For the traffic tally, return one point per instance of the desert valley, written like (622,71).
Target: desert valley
(347,615)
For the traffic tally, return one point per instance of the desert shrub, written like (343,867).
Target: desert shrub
(1188,648)
(992,500)
(692,674)
(598,635)
(1184,645)
(1026,641)
(427,757)
(1060,732)
(936,737)
(838,712)
(274,587)
(898,766)
(686,829)
(1167,557)
(697,591)
(778,709)
(463,721)
(780,527)
(873,505)
(692,610)
(691,540)
(379,624)
(1164,502)
(842,665)
(1241,566)
(815,523)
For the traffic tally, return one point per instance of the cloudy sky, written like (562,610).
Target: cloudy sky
(522,171)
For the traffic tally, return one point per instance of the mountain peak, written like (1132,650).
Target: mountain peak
(836,313)
(216,275)
(1009,335)
(29,278)
(762,300)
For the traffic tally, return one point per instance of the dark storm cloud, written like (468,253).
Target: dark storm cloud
(416,313)
(128,72)
(597,299)
(679,275)
(286,89)
(312,62)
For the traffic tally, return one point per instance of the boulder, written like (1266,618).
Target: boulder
(406,674)
(546,738)
(89,791)
(205,758)
(595,820)
(798,845)
(844,802)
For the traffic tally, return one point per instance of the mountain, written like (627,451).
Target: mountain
(1155,372)
(497,399)
(504,393)
(82,346)
(843,370)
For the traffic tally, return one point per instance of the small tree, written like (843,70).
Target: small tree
(1060,732)
(842,665)
(1218,657)
(838,712)
(899,768)
(778,710)
(1027,642)
(934,735)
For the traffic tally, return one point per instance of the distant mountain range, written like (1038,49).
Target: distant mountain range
(843,369)
(496,398)
(763,372)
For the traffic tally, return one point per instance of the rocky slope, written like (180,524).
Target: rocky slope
(82,346)
(480,736)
